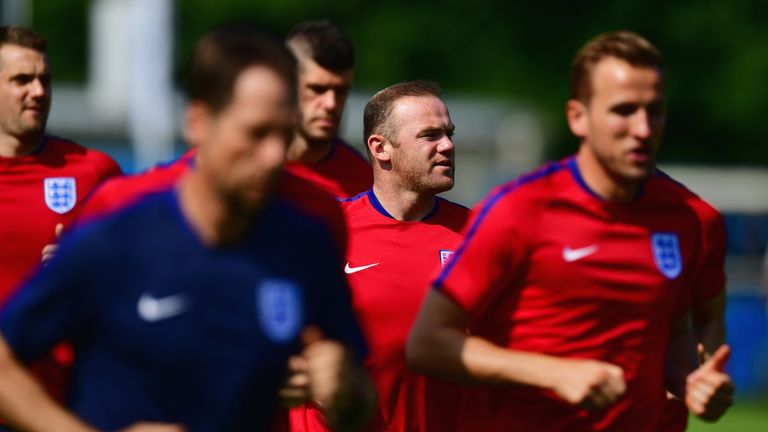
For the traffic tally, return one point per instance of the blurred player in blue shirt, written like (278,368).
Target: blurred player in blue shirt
(184,308)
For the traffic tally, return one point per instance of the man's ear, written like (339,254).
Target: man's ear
(196,120)
(576,113)
(379,147)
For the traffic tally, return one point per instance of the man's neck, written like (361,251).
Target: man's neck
(404,205)
(599,180)
(11,146)
(308,151)
(211,217)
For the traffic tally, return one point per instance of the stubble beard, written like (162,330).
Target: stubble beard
(424,184)
(28,133)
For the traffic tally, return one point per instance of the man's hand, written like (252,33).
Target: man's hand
(324,362)
(295,390)
(50,249)
(588,383)
(337,384)
(709,390)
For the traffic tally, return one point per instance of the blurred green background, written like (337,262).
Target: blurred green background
(716,54)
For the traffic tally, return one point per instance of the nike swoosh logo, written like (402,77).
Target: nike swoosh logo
(350,270)
(571,255)
(153,309)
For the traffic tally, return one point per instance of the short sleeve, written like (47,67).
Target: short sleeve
(710,280)
(487,260)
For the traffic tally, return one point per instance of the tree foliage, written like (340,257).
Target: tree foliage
(716,54)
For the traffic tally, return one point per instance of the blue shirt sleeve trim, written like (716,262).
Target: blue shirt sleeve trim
(354,198)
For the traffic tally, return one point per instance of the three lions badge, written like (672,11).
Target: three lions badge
(60,193)
(280,309)
(666,254)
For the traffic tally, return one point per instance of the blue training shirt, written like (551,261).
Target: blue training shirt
(166,329)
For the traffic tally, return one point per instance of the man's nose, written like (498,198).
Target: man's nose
(445,144)
(641,124)
(330,100)
(38,89)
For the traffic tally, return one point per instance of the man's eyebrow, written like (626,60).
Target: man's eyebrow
(431,129)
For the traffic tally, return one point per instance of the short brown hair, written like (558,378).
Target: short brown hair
(24,37)
(378,110)
(222,54)
(624,45)
(324,43)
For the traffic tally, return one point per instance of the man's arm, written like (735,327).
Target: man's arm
(708,320)
(681,356)
(707,390)
(439,345)
(25,404)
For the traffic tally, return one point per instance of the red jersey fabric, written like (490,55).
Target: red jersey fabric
(119,193)
(37,192)
(547,266)
(389,265)
(674,417)
(343,173)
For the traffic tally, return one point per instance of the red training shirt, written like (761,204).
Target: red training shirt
(343,173)
(547,266)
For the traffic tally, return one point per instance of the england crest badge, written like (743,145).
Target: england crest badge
(445,256)
(60,193)
(280,309)
(666,254)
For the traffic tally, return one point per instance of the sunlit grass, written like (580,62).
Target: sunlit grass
(742,417)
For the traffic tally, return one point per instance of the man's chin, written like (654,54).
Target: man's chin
(639,173)
(442,186)
(33,127)
(321,134)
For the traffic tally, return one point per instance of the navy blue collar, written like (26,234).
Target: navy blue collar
(573,166)
(377,205)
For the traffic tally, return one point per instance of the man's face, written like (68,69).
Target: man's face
(242,147)
(423,152)
(322,96)
(624,119)
(25,91)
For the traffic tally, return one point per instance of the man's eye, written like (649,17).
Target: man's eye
(625,110)
(22,79)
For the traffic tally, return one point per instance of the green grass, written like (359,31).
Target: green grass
(742,417)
